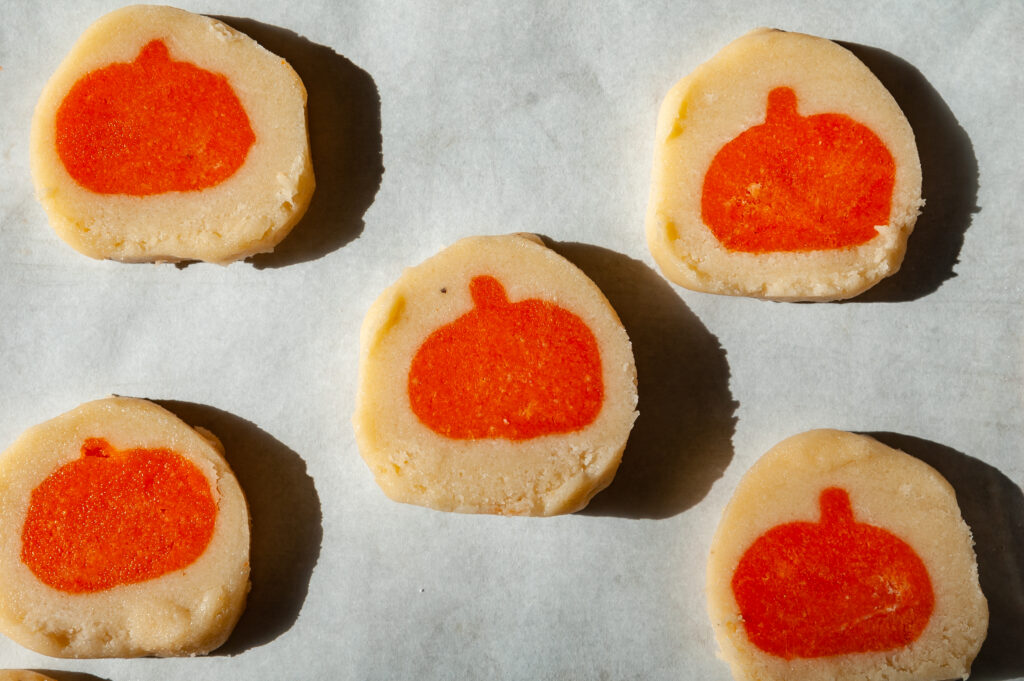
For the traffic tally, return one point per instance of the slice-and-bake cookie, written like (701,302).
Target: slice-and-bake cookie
(123,533)
(494,378)
(839,558)
(166,136)
(783,169)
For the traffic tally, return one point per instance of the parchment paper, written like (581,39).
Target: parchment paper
(436,120)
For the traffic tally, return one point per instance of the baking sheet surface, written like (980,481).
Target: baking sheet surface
(431,121)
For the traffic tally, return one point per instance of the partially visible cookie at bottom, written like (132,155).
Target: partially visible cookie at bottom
(840,559)
(123,533)
(494,377)
(23,675)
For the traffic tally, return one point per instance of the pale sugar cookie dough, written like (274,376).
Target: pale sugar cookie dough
(783,169)
(123,533)
(839,558)
(166,136)
(494,378)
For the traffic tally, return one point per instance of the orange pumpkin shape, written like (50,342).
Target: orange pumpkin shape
(151,126)
(507,370)
(798,183)
(117,517)
(833,587)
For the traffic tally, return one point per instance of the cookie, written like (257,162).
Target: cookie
(841,558)
(494,378)
(22,675)
(124,533)
(167,136)
(783,169)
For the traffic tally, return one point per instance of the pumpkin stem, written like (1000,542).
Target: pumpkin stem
(781,105)
(97,446)
(487,292)
(154,51)
(835,506)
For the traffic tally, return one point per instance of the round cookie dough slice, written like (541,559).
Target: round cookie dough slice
(123,533)
(167,136)
(494,378)
(839,558)
(783,169)
(23,675)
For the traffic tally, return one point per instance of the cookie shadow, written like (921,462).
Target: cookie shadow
(993,507)
(343,110)
(682,441)
(287,524)
(63,675)
(949,181)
